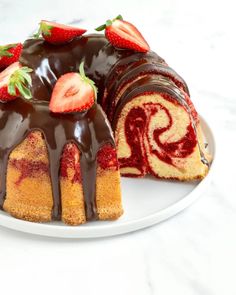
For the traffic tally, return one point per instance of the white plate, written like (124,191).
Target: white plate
(146,202)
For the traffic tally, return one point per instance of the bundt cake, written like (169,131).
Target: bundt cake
(64,165)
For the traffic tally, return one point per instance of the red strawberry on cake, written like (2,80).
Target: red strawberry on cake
(123,34)
(9,54)
(73,92)
(14,82)
(56,33)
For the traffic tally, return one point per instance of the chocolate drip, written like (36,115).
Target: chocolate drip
(88,130)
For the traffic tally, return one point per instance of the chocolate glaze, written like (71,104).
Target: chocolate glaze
(127,69)
(137,71)
(89,130)
(136,59)
(49,61)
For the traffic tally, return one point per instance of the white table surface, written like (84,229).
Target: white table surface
(192,253)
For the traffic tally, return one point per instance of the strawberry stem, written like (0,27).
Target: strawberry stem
(108,23)
(87,80)
(118,17)
(101,28)
(4,50)
(81,70)
(43,29)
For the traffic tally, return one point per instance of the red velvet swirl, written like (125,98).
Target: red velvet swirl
(136,130)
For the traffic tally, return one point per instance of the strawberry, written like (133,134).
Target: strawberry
(9,54)
(57,33)
(14,82)
(123,34)
(73,92)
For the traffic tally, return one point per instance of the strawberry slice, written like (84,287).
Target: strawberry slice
(14,82)
(9,54)
(58,33)
(73,92)
(123,34)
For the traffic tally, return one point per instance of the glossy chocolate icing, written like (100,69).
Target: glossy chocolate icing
(89,130)
(49,61)
(150,64)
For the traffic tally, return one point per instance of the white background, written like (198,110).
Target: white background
(192,253)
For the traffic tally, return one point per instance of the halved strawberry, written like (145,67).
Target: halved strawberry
(73,92)
(57,33)
(9,54)
(123,34)
(14,82)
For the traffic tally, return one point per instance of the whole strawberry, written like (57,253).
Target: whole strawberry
(123,34)
(9,54)
(58,33)
(15,81)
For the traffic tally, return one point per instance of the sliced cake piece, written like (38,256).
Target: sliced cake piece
(29,193)
(157,131)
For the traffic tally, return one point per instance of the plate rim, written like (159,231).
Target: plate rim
(114,228)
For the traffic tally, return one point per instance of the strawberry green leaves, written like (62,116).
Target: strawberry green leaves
(20,80)
(108,23)
(15,81)
(44,28)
